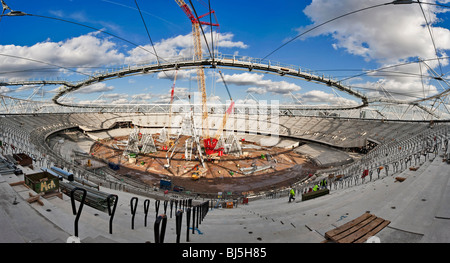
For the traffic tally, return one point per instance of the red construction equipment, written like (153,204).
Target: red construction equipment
(209,143)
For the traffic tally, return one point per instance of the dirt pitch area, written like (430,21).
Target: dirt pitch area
(280,167)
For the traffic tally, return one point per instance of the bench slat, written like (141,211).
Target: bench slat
(330,234)
(358,230)
(354,228)
(362,231)
(373,232)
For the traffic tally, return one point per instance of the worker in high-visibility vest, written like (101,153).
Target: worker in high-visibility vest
(315,188)
(323,184)
(291,195)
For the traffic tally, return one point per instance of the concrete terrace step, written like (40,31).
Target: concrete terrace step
(20,222)
(416,207)
(243,225)
(317,216)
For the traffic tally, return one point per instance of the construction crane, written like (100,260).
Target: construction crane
(168,141)
(228,111)
(209,143)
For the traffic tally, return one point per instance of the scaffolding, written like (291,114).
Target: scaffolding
(139,143)
(148,144)
(132,144)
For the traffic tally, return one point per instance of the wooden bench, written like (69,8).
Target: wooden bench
(358,230)
(315,194)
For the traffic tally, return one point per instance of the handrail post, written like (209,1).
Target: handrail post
(179,219)
(193,220)
(157,207)
(111,213)
(165,206)
(80,208)
(146,206)
(160,232)
(133,205)
(198,214)
(188,221)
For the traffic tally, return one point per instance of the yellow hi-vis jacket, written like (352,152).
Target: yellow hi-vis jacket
(292,192)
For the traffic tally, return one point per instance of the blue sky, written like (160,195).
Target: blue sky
(367,40)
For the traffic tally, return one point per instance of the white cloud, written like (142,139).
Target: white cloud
(114,96)
(51,59)
(179,94)
(256,90)
(142,97)
(226,41)
(246,101)
(179,46)
(387,35)
(320,97)
(393,88)
(120,101)
(4,90)
(181,74)
(43,59)
(94,102)
(97,87)
(262,85)
(25,87)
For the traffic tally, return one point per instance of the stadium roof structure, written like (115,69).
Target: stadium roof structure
(372,99)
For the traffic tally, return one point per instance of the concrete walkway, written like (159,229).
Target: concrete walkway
(418,209)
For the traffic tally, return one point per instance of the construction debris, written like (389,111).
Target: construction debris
(400,179)
(357,230)
(35,198)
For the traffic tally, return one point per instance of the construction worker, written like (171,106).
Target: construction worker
(315,188)
(291,194)
(323,184)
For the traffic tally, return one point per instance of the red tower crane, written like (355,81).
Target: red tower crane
(209,143)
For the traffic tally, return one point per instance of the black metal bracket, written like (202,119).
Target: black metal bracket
(160,228)
(193,219)
(80,208)
(165,206)
(146,206)
(111,213)
(178,220)
(157,207)
(133,205)
(188,221)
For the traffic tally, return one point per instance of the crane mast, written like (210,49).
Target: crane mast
(227,112)
(201,79)
(208,142)
(170,110)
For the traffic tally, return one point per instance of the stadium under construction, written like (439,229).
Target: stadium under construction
(373,171)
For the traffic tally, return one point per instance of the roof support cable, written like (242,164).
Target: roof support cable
(148,33)
(432,38)
(324,23)
(201,28)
